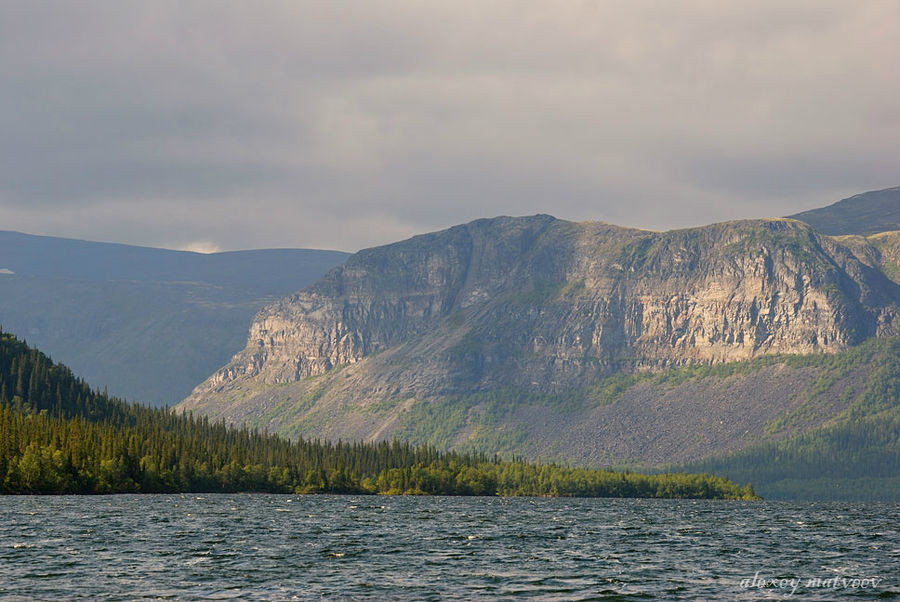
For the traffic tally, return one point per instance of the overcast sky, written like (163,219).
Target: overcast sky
(341,125)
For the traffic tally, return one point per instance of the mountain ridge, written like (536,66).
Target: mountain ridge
(531,335)
(863,214)
(265,271)
(359,302)
(148,324)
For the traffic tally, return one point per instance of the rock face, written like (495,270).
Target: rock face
(546,303)
(541,307)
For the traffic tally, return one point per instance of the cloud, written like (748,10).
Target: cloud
(348,124)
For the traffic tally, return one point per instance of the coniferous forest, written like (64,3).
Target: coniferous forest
(59,436)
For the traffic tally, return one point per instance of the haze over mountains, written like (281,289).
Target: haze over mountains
(146,323)
(579,341)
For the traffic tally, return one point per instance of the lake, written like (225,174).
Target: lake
(281,547)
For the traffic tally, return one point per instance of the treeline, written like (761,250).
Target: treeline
(853,460)
(57,435)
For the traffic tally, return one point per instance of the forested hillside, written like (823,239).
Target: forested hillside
(57,435)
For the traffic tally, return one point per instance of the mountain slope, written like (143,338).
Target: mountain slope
(855,454)
(57,435)
(542,337)
(149,324)
(863,214)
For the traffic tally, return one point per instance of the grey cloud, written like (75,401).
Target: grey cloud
(348,124)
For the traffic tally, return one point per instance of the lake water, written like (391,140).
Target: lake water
(256,546)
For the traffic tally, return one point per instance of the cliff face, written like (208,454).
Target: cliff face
(540,302)
(542,309)
(382,297)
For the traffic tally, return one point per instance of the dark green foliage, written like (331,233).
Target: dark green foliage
(866,489)
(435,424)
(59,436)
(699,371)
(522,478)
(610,389)
(541,291)
(485,414)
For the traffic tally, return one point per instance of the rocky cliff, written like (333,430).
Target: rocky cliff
(486,327)
(546,303)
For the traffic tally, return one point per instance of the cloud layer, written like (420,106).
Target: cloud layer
(347,124)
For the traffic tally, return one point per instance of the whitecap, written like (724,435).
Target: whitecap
(197,560)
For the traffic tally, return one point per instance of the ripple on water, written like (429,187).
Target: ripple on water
(282,547)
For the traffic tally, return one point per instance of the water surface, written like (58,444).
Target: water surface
(257,546)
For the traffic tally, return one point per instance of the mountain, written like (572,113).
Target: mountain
(266,272)
(581,342)
(148,324)
(863,214)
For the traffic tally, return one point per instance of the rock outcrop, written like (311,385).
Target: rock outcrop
(482,332)
(546,303)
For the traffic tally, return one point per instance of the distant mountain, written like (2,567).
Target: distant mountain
(863,214)
(580,342)
(148,324)
(265,272)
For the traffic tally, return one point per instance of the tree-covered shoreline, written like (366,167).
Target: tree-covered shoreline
(58,436)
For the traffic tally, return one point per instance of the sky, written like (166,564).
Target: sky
(221,125)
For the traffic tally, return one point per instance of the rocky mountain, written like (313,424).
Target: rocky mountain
(863,214)
(571,341)
(148,324)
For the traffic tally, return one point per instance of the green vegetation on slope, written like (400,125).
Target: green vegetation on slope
(856,455)
(887,244)
(59,436)
(480,421)
(840,439)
